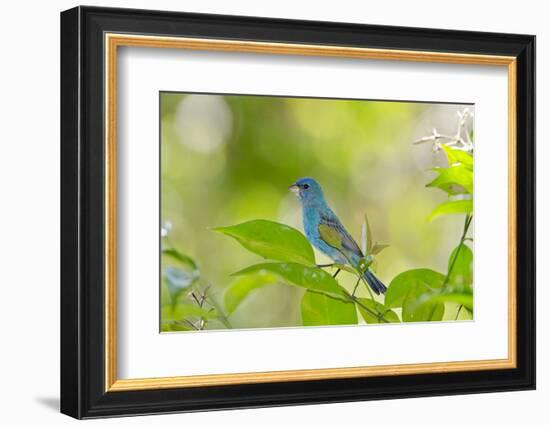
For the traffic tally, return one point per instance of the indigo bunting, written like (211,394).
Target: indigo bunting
(325,231)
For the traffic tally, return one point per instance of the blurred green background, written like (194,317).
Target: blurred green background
(229,159)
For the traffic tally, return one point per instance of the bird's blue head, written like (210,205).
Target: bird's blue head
(309,191)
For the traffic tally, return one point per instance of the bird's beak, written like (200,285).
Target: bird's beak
(294,188)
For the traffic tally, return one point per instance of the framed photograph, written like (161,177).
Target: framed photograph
(261,212)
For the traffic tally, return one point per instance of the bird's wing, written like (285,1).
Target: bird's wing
(334,234)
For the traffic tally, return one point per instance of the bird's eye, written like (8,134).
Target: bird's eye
(306,186)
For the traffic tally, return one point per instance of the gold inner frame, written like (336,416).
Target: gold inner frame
(113,41)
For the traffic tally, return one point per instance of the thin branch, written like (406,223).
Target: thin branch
(460,140)
(467,222)
(355,287)
(361,276)
(188,322)
(376,314)
(196,299)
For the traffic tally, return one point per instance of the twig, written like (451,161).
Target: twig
(458,139)
(205,298)
(203,295)
(220,317)
(355,287)
(196,299)
(376,314)
(467,222)
(361,276)
(188,322)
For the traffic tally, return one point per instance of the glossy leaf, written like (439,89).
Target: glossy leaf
(385,312)
(374,265)
(462,269)
(271,240)
(241,287)
(455,156)
(460,295)
(296,274)
(366,237)
(319,310)
(464,206)
(463,313)
(175,327)
(405,290)
(346,267)
(454,180)
(377,248)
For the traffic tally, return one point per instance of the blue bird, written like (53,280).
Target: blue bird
(325,231)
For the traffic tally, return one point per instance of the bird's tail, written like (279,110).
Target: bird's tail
(377,286)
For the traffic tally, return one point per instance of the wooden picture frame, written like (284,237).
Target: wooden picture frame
(90,39)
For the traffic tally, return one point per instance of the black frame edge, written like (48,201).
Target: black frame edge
(70,383)
(82,345)
(526,210)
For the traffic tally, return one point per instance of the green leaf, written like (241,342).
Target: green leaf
(462,269)
(242,286)
(319,309)
(272,240)
(165,327)
(454,180)
(330,235)
(346,267)
(464,206)
(374,265)
(405,290)
(463,313)
(183,259)
(311,278)
(461,295)
(425,312)
(378,247)
(455,156)
(368,246)
(402,285)
(176,327)
(385,312)
(366,237)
